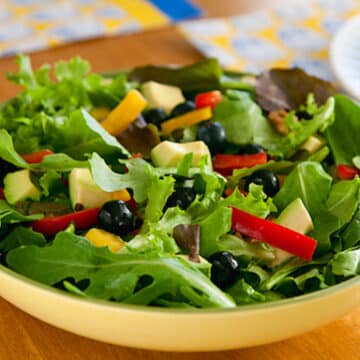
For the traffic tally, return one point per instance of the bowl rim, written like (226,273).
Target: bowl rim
(243,309)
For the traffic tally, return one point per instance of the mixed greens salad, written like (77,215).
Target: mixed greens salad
(187,187)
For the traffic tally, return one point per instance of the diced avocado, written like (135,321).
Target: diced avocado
(204,266)
(102,238)
(168,154)
(295,217)
(84,191)
(162,96)
(18,187)
(312,144)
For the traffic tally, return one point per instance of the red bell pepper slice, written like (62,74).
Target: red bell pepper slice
(53,224)
(225,163)
(2,195)
(36,157)
(273,234)
(347,172)
(211,98)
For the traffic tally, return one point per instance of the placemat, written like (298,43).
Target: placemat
(28,25)
(295,34)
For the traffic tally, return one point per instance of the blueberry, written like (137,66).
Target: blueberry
(224,269)
(252,149)
(116,217)
(213,135)
(155,116)
(181,197)
(182,108)
(267,179)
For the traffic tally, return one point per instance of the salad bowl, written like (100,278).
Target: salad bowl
(116,226)
(180,330)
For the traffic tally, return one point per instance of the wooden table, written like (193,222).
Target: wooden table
(23,337)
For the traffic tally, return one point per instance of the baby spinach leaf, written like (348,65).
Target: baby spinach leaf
(204,75)
(341,135)
(351,234)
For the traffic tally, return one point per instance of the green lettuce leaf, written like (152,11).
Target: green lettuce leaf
(138,178)
(158,192)
(8,152)
(346,263)
(82,134)
(47,113)
(116,276)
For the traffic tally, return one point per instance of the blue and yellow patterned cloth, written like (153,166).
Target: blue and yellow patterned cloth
(27,25)
(295,34)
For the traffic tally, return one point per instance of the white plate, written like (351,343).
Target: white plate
(180,330)
(345,56)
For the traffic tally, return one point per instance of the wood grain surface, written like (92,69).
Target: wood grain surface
(22,337)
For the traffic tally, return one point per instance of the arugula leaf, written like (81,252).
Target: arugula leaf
(21,236)
(116,276)
(8,152)
(346,124)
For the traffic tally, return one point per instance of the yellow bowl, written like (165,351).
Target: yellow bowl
(180,330)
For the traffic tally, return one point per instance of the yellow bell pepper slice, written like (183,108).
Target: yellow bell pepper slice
(188,119)
(100,113)
(120,195)
(125,113)
(102,238)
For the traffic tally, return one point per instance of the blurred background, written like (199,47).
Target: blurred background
(113,34)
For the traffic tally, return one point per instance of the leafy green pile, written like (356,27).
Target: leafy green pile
(52,114)
(152,269)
